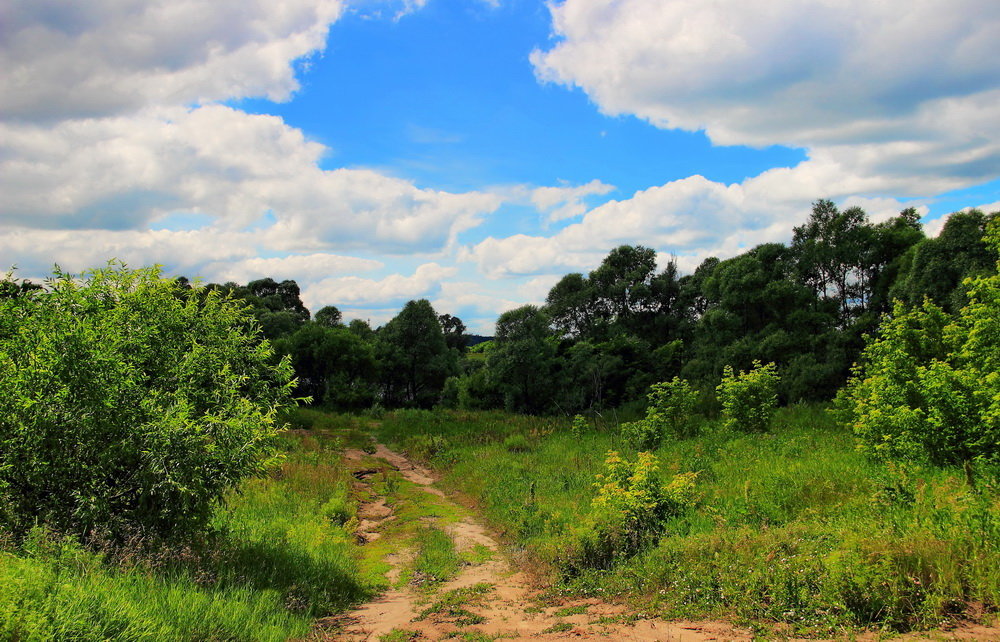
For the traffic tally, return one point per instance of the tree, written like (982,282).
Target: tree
(522,359)
(454,332)
(334,366)
(128,407)
(928,384)
(329,316)
(413,356)
(937,267)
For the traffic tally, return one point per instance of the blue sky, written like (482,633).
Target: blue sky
(473,151)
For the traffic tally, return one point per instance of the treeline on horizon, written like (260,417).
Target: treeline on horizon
(603,338)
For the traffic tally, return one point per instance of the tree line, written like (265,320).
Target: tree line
(602,338)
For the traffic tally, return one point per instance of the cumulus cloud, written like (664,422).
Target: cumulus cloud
(357,291)
(892,89)
(125,172)
(566,202)
(689,219)
(106,57)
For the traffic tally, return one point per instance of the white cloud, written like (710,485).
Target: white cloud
(903,93)
(357,291)
(298,267)
(690,219)
(105,57)
(567,202)
(125,172)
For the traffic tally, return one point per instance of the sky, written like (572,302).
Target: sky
(472,152)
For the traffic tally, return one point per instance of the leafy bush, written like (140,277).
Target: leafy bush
(628,513)
(928,384)
(130,403)
(670,410)
(671,404)
(750,398)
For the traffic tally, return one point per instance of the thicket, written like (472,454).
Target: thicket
(130,404)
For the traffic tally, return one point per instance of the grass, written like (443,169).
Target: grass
(791,526)
(451,605)
(436,560)
(280,554)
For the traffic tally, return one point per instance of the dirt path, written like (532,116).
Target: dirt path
(488,600)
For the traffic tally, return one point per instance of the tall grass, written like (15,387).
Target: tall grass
(278,556)
(792,525)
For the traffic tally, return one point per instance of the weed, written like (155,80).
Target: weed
(559,627)
(571,610)
(436,559)
(451,605)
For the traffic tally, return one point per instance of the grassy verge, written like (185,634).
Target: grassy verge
(281,554)
(791,526)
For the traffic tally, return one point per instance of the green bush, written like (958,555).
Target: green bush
(928,385)
(130,403)
(671,404)
(670,411)
(628,512)
(749,398)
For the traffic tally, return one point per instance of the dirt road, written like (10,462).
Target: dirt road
(491,599)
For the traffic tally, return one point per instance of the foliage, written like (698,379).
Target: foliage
(749,398)
(670,411)
(928,385)
(127,405)
(632,499)
(522,359)
(414,357)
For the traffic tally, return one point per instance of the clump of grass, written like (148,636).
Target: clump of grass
(451,605)
(436,559)
(517,444)
(559,627)
(400,635)
(571,610)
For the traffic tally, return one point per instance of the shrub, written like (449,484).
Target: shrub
(671,405)
(628,513)
(643,434)
(130,403)
(749,399)
(670,410)
(928,385)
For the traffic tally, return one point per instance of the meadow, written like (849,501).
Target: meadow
(791,528)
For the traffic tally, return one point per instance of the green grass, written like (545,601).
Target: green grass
(451,605)
(280,554)
(436,560)
(791,526)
